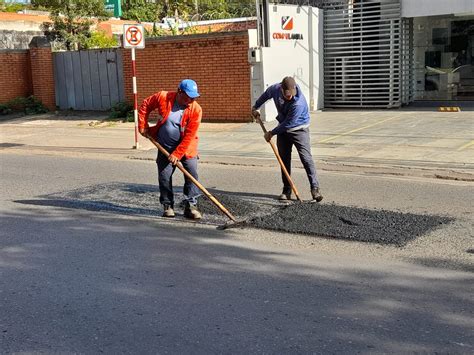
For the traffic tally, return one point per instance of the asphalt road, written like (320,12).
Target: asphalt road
(82,281)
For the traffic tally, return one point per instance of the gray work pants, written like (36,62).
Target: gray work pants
(165,179)
(301,140)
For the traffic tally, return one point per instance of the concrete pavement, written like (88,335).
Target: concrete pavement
(430,144)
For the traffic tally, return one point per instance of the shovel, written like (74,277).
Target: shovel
(195,182)
(282,165)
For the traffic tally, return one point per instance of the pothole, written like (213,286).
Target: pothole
(258,211)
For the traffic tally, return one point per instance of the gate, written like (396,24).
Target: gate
(362,53)
(88,79)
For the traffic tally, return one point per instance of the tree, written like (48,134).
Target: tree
(72,20)
(12,6)
(156,10)
(220,9)
(99,39)
(142,10)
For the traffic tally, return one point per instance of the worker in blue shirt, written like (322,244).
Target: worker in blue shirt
(292,129)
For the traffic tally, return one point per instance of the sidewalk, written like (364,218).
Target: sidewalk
(389,142)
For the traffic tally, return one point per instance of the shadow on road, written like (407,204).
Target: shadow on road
(73,281)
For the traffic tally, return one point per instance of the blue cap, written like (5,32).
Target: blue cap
(189,87)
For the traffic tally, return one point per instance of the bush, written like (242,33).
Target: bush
(122,110)
(99,39)
(13,7)
(5,110)
(28,105)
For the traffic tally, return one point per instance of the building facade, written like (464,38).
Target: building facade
(442,48)
(385,53)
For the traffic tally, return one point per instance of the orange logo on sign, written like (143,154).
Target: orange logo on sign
(287,23)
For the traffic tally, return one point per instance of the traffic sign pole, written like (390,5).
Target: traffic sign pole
(133,37)
(135,98)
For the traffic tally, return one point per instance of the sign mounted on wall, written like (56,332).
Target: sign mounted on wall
(287,24)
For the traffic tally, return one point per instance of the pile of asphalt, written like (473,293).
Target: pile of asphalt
(325,220)
(142,199)
(333,221)
(238,206)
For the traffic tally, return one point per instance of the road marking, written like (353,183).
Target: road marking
(357,130)
(449,109)
(467,145)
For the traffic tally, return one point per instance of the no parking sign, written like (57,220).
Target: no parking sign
(133,36)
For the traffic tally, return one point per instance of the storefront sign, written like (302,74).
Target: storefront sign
(115,6)
(287,24)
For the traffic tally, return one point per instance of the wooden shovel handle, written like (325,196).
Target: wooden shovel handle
(282,165)
(195,182)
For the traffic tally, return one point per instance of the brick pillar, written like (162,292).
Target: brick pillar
(42,75)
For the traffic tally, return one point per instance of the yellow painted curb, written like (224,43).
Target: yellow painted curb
(449,109)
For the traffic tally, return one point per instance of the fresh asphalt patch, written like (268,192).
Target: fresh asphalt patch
(334,221)
(324,220)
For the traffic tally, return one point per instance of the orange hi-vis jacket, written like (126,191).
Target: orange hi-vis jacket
(163,102)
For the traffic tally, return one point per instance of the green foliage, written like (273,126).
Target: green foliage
(4,109)
(42,3)
(214,9)
(28,105)
(155,32)
(72,20)
(173,30)
(155,11)
(122,110)
(12,7)
(99,39)
(243,8)
(142,11)
(221,9)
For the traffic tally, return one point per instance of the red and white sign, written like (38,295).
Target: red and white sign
(133,36)
(287,23)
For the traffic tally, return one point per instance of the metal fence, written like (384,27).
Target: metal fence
(362,54)
(89,79)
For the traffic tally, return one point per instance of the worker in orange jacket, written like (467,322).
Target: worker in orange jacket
(176,130)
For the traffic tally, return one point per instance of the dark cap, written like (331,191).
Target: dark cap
(288,84)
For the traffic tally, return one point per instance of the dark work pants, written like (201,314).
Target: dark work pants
(301,140)
(165,179)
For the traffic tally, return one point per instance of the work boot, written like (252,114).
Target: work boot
(168,211)
(192,212)
(316,194)
(285,195)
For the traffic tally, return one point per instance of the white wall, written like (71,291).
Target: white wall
(17,39)
(415,8)
(292,57)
